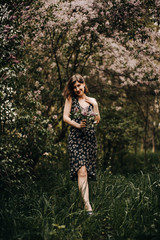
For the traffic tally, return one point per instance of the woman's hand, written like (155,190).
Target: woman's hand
(94,103)
(82,123)
(91,100)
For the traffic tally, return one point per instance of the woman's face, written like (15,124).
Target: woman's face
(79,88)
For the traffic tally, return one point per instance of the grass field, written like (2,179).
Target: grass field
(50,207)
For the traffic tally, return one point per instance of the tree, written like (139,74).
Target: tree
(114,44)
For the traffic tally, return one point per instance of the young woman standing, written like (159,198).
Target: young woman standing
(82,147)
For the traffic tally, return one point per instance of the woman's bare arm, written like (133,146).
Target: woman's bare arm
(66,115)
(96,110)
(95,107)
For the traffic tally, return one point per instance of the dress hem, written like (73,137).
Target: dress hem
(74,177)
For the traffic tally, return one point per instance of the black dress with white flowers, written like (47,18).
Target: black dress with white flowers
(82,145)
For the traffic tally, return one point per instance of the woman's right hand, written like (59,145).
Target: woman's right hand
(82,123)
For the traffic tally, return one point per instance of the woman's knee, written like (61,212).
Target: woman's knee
(82,172)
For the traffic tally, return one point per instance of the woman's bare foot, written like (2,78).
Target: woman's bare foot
(88,207)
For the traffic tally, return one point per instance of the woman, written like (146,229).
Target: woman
(82,146)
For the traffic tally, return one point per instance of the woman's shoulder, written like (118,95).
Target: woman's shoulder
(71,99)
(91,99)
(68,101)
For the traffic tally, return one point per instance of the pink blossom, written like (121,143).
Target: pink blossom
(39,69)
(50,127)
(5,77)
(53,65)
(41,88)
(37,93)
(118,108)
(34,118)
(76,109)
(29,94)
(15,61)
(12,56)
(12,17)
(156,91)
(22,42)
(37,84)
(54,117)
(38,112)
(46,59)
(14,36)
(132,62)
(5,31)
(27,17)
(84,112)
(7,27)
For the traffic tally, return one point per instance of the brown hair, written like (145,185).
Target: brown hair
(68,90)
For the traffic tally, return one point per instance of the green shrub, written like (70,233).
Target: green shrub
(131,163)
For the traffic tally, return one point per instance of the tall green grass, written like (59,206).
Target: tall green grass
(51,208)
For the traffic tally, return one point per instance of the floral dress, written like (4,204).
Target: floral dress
(82,145)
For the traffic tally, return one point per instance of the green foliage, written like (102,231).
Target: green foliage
(51,208)
(26,121)
(15,165)
(28,140)
(121,131)
(133,163)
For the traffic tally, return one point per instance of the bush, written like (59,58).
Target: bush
(131,163)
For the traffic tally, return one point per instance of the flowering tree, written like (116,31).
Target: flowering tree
(114,44)
(26,132)
(74,36)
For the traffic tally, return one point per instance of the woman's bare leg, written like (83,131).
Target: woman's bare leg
(83,187)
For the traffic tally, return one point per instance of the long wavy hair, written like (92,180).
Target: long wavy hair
(68,90)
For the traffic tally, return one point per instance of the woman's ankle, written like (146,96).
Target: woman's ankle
(88,206)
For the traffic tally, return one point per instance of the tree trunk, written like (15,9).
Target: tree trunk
(153,140)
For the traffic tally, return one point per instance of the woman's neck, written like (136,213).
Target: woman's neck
(82,97)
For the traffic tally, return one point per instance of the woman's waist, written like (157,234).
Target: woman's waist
(87,129)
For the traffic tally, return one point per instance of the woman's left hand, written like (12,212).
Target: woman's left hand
(95,107)
(91,100)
